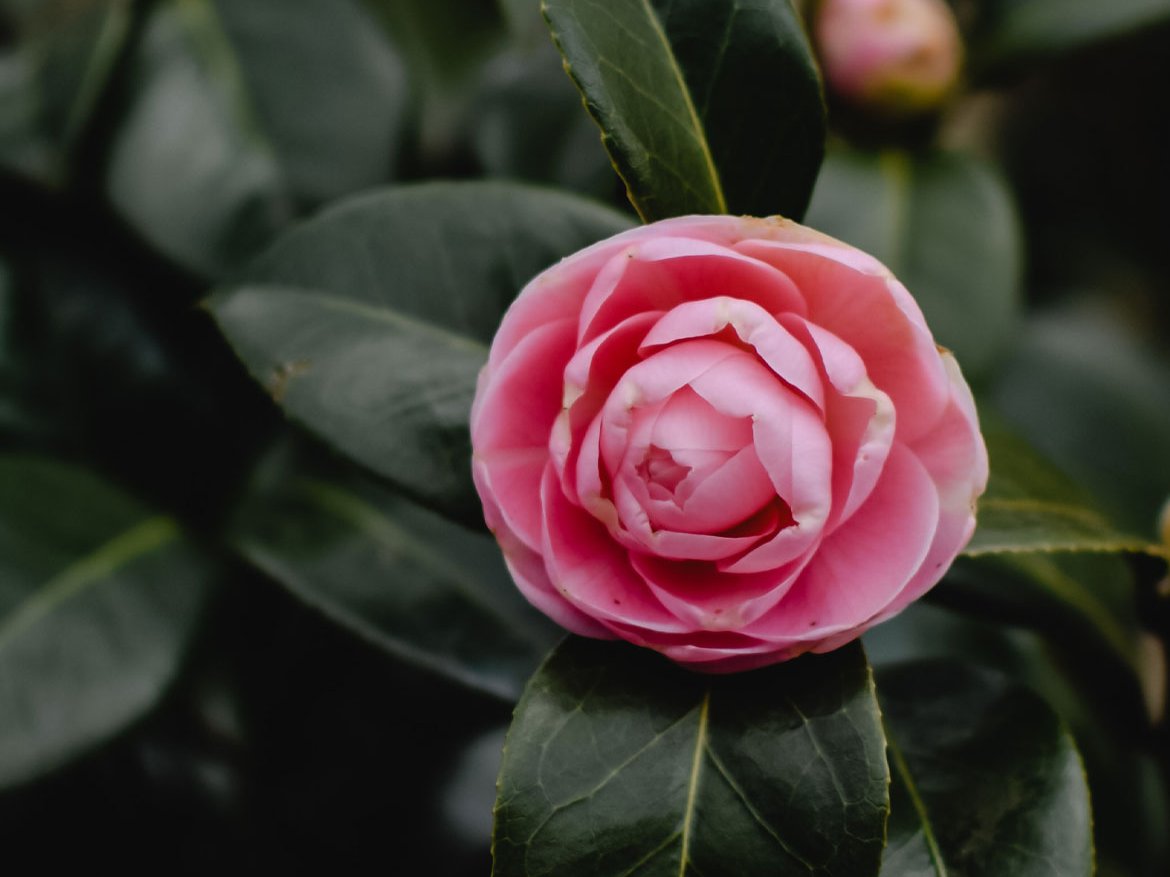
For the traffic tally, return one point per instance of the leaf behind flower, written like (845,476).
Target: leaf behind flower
(705,106)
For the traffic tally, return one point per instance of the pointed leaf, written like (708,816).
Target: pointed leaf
(1031,506)
(369,323)
(242,113)
(945,225)
(985,780)
(618,762)
(422,588)
(705,106)
(1092,393)
(98,601)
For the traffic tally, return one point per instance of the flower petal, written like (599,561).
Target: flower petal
(861,568)
(591,571)
(773,343)
(855,298)
(661,273)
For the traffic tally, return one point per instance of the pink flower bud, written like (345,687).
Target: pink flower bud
(894,57)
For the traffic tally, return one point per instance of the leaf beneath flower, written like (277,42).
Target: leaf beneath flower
(618,762)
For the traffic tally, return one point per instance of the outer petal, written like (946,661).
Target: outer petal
(855,298)
(528,571)
(861,568)
(510,425)
(591,571)
(956,458)
(659,274)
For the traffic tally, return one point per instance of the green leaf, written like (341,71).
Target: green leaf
(445,44)
(98,602)
(618,762)
(1084,600)
(423,589)
(241,114)
(370,323)
(705,106)
(50,84)
(527,124)
(1031,506)
(985,780)
(1092,395)
(945,225)
(1016,29)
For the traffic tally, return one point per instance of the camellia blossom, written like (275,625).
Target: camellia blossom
(896,57)
(729,439)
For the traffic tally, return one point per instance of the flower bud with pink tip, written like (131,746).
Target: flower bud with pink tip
(891,57)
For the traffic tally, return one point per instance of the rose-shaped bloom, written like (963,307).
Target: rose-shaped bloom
(896,57)
(732,440)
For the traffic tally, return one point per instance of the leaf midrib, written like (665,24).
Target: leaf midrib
(97,566)
(693,785)
(900,765)
(688,102)
(373,313)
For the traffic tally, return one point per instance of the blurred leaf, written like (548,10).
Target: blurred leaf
(1030,505)
(1015,29)
(945,225)
(421,588)
(527,124)
(98,601)
(705,106)
(524,20)
(243,113)
(1085,391)
(12,416)
(620,762)
(985,780)
(445,44)
(370,322)
(1085,601)
(50,83)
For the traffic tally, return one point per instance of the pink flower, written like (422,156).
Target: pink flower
(732,440)
(891,56)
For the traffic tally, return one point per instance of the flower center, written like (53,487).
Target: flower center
(662,474)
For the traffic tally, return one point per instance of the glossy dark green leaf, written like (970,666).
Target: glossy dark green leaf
(945,224)
(1017,29)
(1129,810)
(369,323)
(51,81)
(705,106)
(98,601)
(243,113)
(985,780)
(1030,505)
(426,590)
(1094,396)
(618,762)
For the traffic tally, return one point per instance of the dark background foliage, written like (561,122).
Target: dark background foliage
(148,149)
